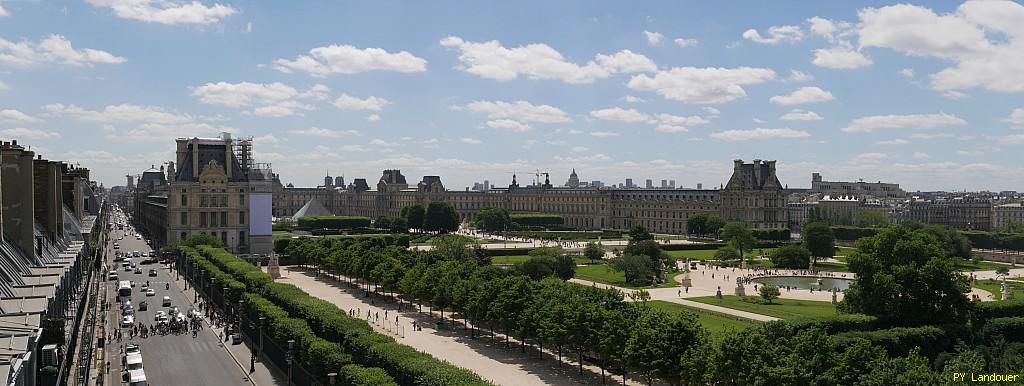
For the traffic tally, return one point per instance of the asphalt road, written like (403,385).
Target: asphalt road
(167,359)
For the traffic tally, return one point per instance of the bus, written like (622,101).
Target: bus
(124,290)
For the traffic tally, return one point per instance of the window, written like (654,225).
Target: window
(184,218)
(223,219)
(241,238)
(213,219)
(184,235)
(224,237)
(202,219)
(184,199)
(241,218)
(241,200)
(224,201)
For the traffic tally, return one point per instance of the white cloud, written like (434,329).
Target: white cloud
(632,99)
(982,38)
(1016,118)
(869,158)
(574,132)
(921,121)
(470,141)
(267,138)
(267,99)
(685,42)
(907,72)
(621,115)
(510,125)
(1016,139)
(678,120)
(666,128)
(491,60)
(33,134)
(711,111)
(931,135)
(920,155)
(840,58)
(373,117)
(776,35)
(147,123)
(519,110)
(801,115)
(653,38)
(11,115)
(604,134)
(3,12)
(897,141)
(53,49)
(324,133)
(371,103)
(382,143)
(803,95)
(799,76)
(701,85)
(248,27)
(758,133)
(579,149)
(166,11)
(346,59)
(953,94)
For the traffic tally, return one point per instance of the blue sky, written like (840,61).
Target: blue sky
(926,95)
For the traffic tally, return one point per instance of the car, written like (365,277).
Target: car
(194,314)
(120,238)
(134,265)
(152,272)
(128,311)
(127,268)
(138,270)
(112,275)
(150,292)
(144,287)
(132,348)
(172,311)
(117,246)
(166,301)
(236,338)
(152,253)
(158,315)
(162,320)
(127,321)
(143,306)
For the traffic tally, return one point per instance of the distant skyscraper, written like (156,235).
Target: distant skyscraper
(650,184)
(700,186)
(487,185)
(664,184)
(629,183)
(339,181)
(672,184)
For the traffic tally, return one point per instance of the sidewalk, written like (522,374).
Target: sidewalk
(263,376)
(693,293)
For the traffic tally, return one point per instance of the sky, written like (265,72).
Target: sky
(929,95)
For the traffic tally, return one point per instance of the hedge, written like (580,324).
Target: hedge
(993,240)
(356,375)
(691,247)
(771,234)
(566,235)
(342,335)
(333,222)
(280,245)
(537,219)
(898,341)
(1000,309)
(851,233)
(831,325)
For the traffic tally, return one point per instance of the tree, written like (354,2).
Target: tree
(1002,271)
(414,216)
(738,236)
(452,247)
(393,224)
(904,277)
(636,268)
(565,267)
(1013,226)
(493,219)
(441,217)
(870,219)
(197,239)
(536,268)
(639,233)
(793,256)
(650,249)
(593,251)
(727,253)
(697,225)
(769,292)
(819,239)
(714,225)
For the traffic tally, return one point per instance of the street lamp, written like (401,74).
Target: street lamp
(291,346)
(331,377)
(263,321)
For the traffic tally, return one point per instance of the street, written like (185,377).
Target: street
(167,359)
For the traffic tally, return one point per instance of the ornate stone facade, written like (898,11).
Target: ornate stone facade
(755,196)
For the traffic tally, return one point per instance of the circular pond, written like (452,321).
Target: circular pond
(818,284)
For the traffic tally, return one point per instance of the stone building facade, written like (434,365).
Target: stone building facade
(1004,214)
(659,210)
(962,212)
(882,190)
(755,196)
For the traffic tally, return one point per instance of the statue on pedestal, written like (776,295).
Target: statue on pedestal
(718,294)
(740,291)
(273,267)
(686,281)
(834,296)
(1005,290)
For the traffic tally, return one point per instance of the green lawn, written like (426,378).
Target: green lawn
(513,259)
(832,267)
(701,254)
(1016,289)
(967,265)
(783,308)
(606,275)
(843,252)
(716,323)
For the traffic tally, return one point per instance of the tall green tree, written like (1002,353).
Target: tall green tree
(737,235)
(565,267)
(636,268)
(870,219)
(493,219)
(593,251)
(414,216)
(441,217)
(819,239)
(904,277)
(639,233)
(714,225)
(697,225)
(793,256)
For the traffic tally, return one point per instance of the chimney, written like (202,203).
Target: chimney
(757,173)
(771,168)
(195,157)
(228,155)
(181,150)
(737,164)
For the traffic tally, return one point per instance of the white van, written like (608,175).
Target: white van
(134,362)
(137,378)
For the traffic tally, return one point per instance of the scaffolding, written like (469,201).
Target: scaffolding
(250,168)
